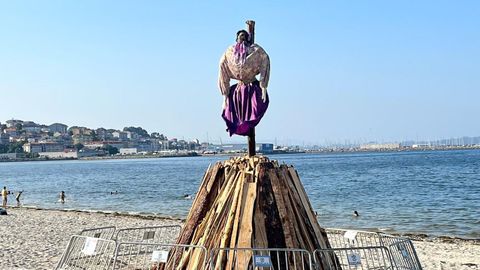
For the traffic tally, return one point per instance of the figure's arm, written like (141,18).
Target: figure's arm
(223,76)
(264,74)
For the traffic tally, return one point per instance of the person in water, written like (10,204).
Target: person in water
(356,214)
(62,196)
(18,198)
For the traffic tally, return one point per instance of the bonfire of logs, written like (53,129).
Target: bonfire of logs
(250,202)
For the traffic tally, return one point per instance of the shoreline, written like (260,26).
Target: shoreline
(36,238)
(154,216)
(194,154)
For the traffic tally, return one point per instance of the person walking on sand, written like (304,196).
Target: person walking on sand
(4,197)
(62,196)
(18,198)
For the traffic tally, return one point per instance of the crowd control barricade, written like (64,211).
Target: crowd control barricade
(401,251)
(101,232)
(403,254)
(149,256)
(339,238)
(358,258)
(84,252)
(260,258)
(165,234)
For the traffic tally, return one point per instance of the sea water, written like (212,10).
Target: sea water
(431,192)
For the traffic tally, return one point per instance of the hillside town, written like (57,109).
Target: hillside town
(26,139)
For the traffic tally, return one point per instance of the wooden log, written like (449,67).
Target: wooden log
(246,230)
(231,225)
(267,205)
(285,221)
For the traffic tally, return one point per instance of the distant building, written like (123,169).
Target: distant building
(127,151)
(32,127)
(103,144)
(80,131)
(58,127)
(131,135)
(115,144)
(242,148)
(59,155)
(94,145)
(264,148)
(10,156)
(120,135)
(80,138)
(103,134)
(91,153)
(43,147)
(11,132)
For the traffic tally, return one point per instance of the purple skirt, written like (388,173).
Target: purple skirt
(244,108)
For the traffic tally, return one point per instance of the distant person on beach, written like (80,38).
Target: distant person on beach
(4,197)
(62,196)
(356,214)
(18,198)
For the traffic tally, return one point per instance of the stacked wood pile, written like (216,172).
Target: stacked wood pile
(250,202)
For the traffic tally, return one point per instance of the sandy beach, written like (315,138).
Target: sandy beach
(35,239)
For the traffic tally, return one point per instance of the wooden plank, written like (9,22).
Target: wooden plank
(246,230)
(282,208)
(231,223)
(305,226)
(267,204)
(233,239)
(260,234)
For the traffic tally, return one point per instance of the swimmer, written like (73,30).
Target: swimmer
(62,196)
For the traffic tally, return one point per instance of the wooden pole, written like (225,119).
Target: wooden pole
(251,135)
(251,31)
(251,143)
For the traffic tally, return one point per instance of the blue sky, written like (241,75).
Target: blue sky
(340,70)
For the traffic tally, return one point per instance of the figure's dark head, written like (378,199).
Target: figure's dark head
(242,35)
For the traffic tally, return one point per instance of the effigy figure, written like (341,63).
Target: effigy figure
(245,102)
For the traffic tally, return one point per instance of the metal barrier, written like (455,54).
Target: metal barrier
(150,256)
(260,258)
(340,238)
(85,252)
(404,255)
(102,232)
(155,234)
(400,250)
(358,258)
